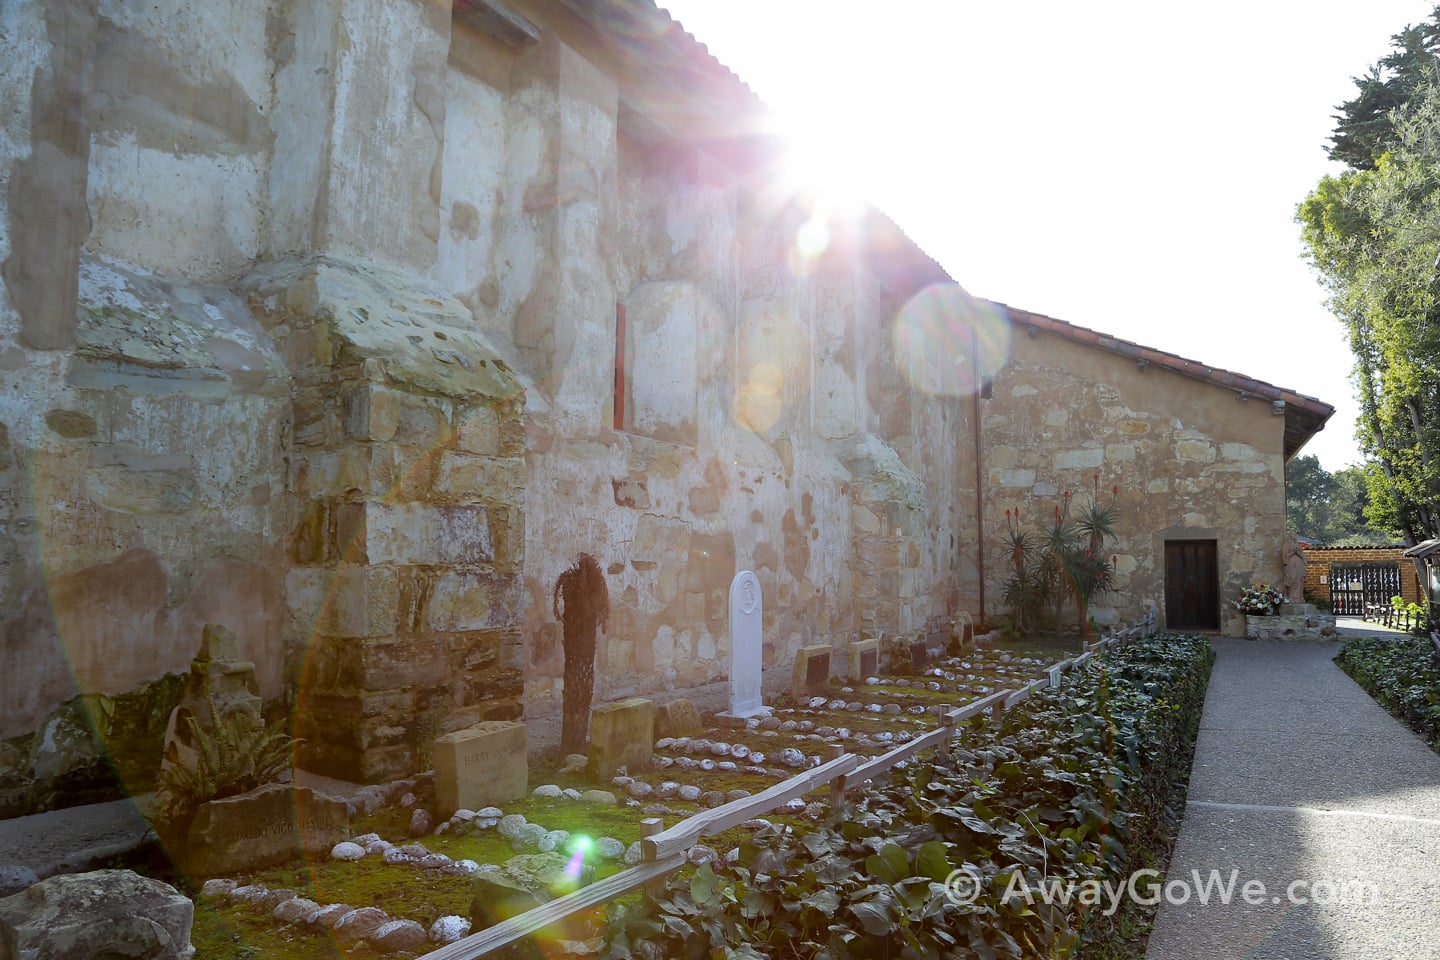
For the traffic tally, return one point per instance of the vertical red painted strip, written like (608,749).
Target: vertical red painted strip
(619,366)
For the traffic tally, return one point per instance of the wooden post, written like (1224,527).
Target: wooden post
(837,785)
(648,828)
(947,719)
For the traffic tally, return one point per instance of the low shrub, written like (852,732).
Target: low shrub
(1068,786)
(1402,677)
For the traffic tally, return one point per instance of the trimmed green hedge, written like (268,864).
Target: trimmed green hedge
(1068,786)
(1401,676)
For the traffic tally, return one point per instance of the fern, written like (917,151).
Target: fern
(234,756)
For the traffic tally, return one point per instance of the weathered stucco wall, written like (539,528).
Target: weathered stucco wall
(311,323)
(144,413)
(1191,460)
(308,327)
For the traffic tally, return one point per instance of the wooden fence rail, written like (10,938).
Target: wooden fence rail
(665,851)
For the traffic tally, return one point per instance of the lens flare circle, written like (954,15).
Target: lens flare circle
(947,343)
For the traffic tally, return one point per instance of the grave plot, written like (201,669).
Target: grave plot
(415,880)
(409,874)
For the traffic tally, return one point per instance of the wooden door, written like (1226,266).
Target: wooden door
(1192,585)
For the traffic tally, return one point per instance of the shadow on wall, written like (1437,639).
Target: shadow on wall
(95,662)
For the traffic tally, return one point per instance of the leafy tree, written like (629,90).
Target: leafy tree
(1374,236)
(1331,507)
(1364,131)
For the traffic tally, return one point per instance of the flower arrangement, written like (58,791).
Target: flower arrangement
(1259,600)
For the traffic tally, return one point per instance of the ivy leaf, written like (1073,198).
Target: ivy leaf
(826,901)
(932,861)
(702,887)
(873,917)
(819,843)
(890,865)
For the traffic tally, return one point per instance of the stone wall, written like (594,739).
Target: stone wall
(1190,459)
(744,437)
(308,328)
(408,479)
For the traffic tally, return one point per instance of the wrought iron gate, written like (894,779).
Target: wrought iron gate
(1353,585)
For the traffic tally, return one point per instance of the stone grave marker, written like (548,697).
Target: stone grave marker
(481,766)
(622,734)
(812,672)
(962,632)
(270,824)
(678,718)
(220,685)
(919,654)
(864,659)
(746,650)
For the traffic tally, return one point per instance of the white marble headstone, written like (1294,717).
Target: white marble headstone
(745,646)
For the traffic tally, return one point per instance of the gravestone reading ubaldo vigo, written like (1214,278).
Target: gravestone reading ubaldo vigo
(270,824)
(746,653)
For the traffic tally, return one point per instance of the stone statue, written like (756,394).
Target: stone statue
(1293,560)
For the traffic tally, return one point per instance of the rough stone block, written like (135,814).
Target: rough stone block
(481,766)
(678,718)
(424,534)
(812,672)
(622,734)
(268,825)
(1086,459)
(474,601)
(463,476)
(347,602)
(477,430)
(864,659)
(105,913)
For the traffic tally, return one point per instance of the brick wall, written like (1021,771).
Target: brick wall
(1319,559)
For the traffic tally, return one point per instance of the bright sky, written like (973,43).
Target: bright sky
(1126,166)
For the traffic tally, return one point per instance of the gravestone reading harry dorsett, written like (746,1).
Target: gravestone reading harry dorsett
(745,651)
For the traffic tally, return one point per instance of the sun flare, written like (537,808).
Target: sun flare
(827,165)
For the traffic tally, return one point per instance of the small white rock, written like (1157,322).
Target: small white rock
(546,790)
(448,929)
(700,853)
(345,850)
(218,888)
